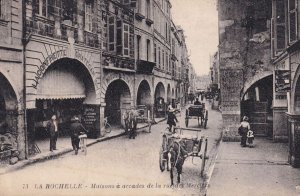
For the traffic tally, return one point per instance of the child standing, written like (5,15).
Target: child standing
(250,138)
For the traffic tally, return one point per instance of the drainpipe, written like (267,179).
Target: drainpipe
(24,43)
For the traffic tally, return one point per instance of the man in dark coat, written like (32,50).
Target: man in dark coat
(171,120)
(52,127)
(76,129)
(197,102)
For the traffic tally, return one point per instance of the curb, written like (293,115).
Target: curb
(30,161)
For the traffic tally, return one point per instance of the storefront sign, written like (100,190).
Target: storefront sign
(64,54)
(282,80)
(91,119)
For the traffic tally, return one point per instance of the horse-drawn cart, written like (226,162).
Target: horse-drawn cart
(197,112)
(176,148)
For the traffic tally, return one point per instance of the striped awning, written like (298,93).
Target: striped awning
(60,84)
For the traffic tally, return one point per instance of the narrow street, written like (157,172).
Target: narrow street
(119,166)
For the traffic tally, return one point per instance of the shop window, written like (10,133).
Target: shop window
(89,15)
(126,40)
(292,17)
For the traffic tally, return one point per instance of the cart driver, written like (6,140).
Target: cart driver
(197,102)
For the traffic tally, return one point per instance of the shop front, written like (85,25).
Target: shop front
(66,90)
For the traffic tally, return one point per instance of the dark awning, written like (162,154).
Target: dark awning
(145,67)
(60,84)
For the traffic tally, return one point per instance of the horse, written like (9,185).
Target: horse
(176,157)
(130,119)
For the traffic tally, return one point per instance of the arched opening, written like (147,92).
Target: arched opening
(144,94)
(118,99)
(65,90)
(257,105)
(160,105)
(8,116)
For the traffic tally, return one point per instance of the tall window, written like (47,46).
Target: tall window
(88,16)
(119,37)
(138,46)
(41,7)
(148,9)
(148,49)
(111,34)
(139,6)
(2,9)
(280,25)
(159,57)
(154,53)
(163,59)
(292,17)
(126,40)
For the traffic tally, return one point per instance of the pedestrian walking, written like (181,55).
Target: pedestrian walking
(243,130)
(172,120)
(76,129)
(250,138)
(52,127)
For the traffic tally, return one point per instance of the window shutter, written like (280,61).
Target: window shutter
(126,40)
(292,20)
(272,38)
(119,37)
(131,41)
(280,25)
(111,33)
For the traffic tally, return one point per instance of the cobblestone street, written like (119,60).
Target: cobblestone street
(119,166)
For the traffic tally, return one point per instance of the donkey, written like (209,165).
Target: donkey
(176,157)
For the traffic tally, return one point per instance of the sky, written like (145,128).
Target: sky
(199,20)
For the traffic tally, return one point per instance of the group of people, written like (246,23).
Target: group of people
(246,133)
(172,119)
(76,129)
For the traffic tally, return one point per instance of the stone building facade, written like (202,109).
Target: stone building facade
(285,57)
(85,58)
(246,71)
(12,132)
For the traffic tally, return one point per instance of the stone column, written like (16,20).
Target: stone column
(294,139)
(21,139)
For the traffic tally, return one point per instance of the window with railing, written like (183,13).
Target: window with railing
(89,15)
(292,20)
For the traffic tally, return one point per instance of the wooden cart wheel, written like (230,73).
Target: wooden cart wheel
(205,119)
(162,160)
(162,166)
